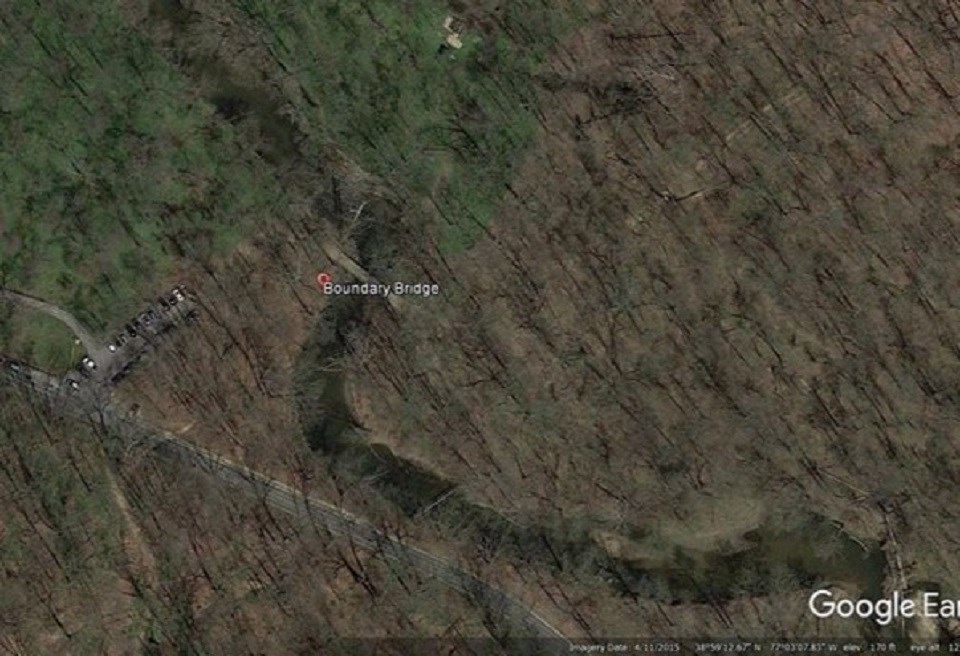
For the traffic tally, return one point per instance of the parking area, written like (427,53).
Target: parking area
(113,360)
(20,373)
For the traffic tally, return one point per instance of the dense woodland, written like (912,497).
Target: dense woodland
(696,350)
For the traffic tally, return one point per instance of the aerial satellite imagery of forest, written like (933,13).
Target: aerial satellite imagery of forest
(491,327)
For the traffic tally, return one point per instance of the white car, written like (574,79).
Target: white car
(112,348)
(88,362)
(178,293)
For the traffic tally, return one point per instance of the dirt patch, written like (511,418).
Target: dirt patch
(713,522)
(138,550)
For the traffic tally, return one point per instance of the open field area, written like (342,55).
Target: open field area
(39,339)
(696,350)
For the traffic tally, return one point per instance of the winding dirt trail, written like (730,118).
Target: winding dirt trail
(34,303)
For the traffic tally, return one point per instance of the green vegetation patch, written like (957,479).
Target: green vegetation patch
(437,120)
(112,166)
(41,340)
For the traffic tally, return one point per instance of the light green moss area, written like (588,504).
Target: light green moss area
(41,340)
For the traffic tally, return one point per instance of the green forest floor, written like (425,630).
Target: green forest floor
(113,167)
(122,166)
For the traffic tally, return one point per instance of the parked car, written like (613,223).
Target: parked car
(117,342)
(120,375)
(73,385)
(13,365)
(180,293)
(164,303)
(131,330)
(14,368)
(88,362)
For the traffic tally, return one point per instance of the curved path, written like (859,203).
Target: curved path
(339,522)
(499,605)
(55,311)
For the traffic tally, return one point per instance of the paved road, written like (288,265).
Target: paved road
(93,403)
(503,608)
(340,522)
(57,312)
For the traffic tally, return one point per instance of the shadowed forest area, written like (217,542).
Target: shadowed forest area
(695,352)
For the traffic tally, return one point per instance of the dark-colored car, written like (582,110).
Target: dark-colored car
(120,375)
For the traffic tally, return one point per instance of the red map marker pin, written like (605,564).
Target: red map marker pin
(323,278)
